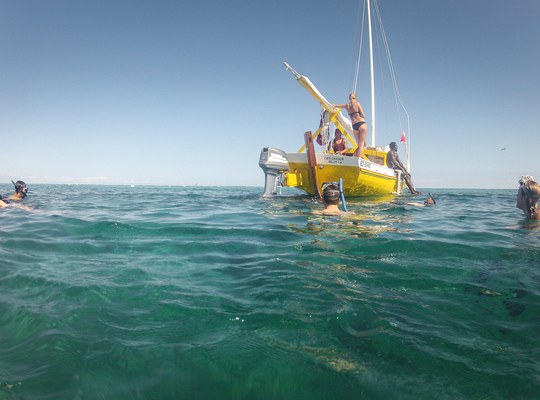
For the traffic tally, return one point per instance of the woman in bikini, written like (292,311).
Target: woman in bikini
(356,113)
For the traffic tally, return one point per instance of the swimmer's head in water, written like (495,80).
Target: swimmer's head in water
(430,200)
(528,196)
(531,189)
(20,187)
(331,193)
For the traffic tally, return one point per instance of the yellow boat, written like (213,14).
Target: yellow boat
(367,175)
(307,170)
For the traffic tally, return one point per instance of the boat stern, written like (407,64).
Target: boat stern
(274,163)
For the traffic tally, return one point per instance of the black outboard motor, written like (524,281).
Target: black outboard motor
(273,162)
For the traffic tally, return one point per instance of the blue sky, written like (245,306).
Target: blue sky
(188,92)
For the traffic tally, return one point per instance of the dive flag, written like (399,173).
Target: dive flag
(403,138)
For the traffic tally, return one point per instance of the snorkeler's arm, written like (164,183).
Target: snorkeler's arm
(521,202)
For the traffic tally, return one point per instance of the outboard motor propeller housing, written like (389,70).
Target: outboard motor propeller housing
(273,162)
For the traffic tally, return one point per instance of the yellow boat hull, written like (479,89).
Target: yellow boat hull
(360,177)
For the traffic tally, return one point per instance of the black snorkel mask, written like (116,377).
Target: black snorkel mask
(530,196)
(432,198)
(330,193)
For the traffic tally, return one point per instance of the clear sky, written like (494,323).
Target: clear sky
(189,91)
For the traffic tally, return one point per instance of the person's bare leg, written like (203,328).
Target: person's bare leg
(410,184)
(361,140)
(357,138)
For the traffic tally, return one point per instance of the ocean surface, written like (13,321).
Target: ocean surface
(118,292)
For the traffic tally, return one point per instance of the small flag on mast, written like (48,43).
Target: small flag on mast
(403,138)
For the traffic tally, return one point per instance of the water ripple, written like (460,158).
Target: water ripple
(118,292)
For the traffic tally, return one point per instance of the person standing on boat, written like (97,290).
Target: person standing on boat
(527,198)
(393,161)
(357,115)
(339,144)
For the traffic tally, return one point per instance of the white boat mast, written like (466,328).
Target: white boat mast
(372,76)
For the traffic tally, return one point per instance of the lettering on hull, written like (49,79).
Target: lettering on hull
(333,160)
(345,161)
(364,164)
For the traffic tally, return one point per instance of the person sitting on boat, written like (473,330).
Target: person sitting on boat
(393,161)
(20,191)
(528,196)
(339,144)
(330,197)
(357,115)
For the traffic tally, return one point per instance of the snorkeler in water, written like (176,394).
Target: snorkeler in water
(430,201)
(331,196)
(21,191)
(528,196)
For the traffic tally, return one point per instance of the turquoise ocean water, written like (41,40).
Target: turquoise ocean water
(114,292)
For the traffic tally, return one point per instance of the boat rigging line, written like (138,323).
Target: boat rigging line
(400,107)
(357,69)
(397,95)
